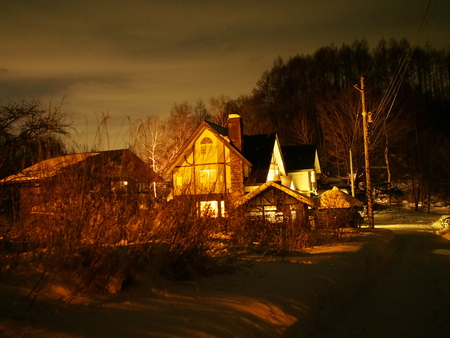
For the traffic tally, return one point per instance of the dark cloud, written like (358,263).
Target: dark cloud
(137,58)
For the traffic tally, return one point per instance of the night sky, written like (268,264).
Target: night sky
(133,59)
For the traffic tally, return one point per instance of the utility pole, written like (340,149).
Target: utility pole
(367,118)
(352,177)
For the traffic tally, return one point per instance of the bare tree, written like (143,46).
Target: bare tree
(201,113)
(150,140)
(182,122)
(302,131)
(220,109)
(29,133)
(341,133)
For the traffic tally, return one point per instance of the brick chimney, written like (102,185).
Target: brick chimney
(235,130)
(236,165)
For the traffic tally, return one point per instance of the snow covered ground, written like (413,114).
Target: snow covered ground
(267,297)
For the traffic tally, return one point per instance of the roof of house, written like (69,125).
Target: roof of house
(257,152)
(221,133)
(131,166)
(270,184)
(299,157)
(219,129)
(258,149)
(336,199)
(47,168)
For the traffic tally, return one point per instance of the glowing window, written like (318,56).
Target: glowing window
(211,208)
(205,145)
(119,185)
(207,176)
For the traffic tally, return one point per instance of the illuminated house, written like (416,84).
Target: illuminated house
(46,185)
(217,166)
(302,163)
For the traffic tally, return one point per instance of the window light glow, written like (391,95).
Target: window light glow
(211,208)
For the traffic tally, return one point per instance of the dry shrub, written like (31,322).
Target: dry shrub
(102,241)
(282,237)
(334,219)
(186,243)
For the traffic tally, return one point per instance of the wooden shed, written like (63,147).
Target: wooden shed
(336,209)
(274,203)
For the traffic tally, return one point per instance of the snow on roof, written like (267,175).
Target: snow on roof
(270,184)
(48,168)
(336,199)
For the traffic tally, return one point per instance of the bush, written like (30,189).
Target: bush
(257,233)
(101,244)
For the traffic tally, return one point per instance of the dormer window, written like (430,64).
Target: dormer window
(205,145)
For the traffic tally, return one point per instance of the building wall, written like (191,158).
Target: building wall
(304,181)
(206,169)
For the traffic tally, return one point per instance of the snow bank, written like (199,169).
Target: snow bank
(267,297)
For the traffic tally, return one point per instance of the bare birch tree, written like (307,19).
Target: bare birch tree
(150,140)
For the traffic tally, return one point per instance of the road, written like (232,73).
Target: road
(409,297)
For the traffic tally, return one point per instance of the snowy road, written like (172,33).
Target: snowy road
(409,297)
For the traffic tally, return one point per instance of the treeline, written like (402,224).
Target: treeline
(306,99)
(312,99)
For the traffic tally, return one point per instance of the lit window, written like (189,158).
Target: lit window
(205,145)
(179,181)
(119,185)
(222,208)
(211,208)
(207,176)
(143,187)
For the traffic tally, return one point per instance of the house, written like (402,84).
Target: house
(217,166)
(276,203)
(303,167)
(118,172)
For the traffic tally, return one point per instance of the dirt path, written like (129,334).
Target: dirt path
(409,297)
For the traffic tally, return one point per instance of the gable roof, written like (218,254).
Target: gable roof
(131,166)
(217,130)
(270,184)
(47,168)
(299,157)
(256,153)
(258,149)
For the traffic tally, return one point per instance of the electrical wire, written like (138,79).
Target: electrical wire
(390,96)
